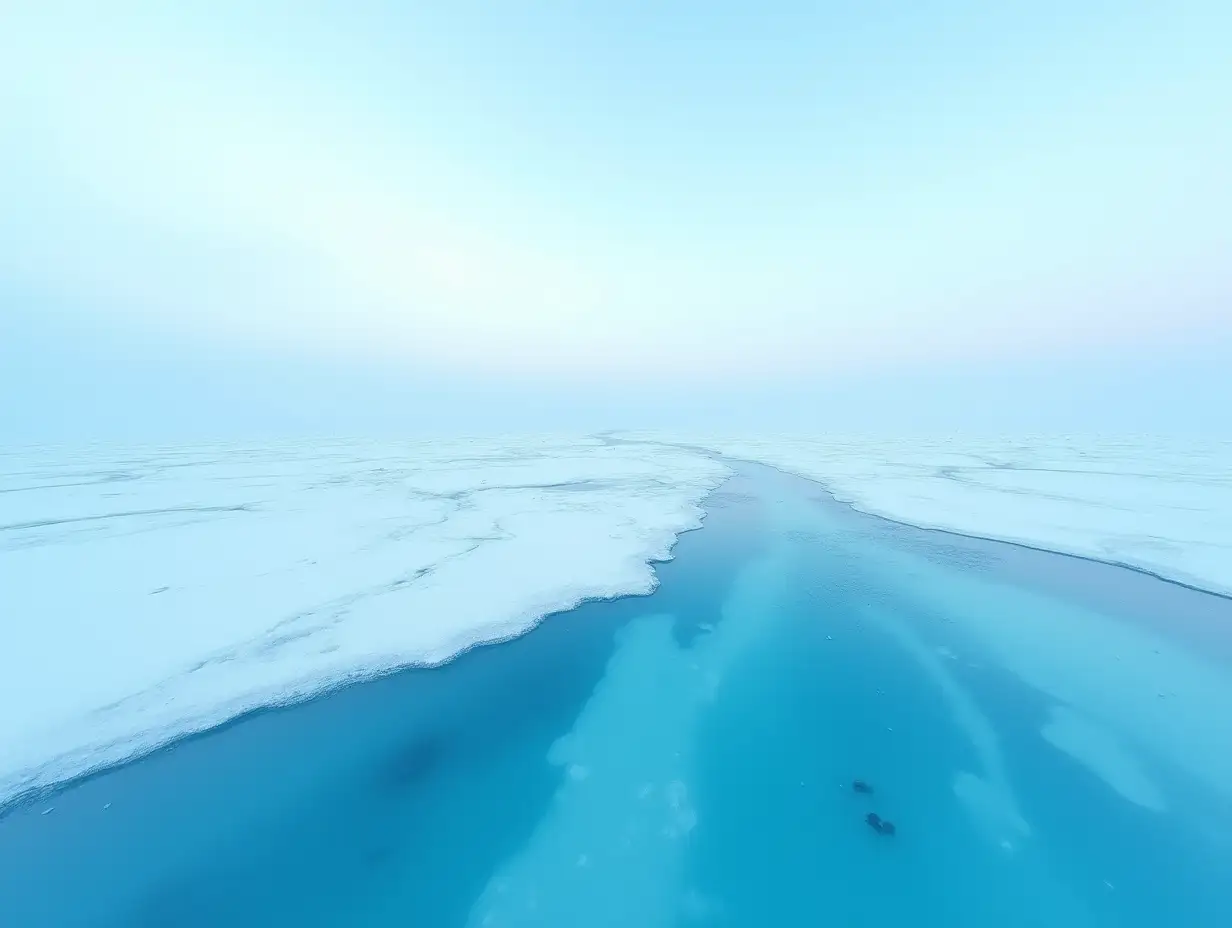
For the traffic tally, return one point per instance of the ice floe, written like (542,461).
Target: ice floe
(148,593)
(1158,505)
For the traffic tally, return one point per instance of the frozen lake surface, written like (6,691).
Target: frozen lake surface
(149,593)
(1049,735)
(1161,505)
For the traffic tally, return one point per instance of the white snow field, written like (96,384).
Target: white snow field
(147,593)
(1159,505)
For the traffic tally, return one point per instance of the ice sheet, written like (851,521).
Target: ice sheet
(147,593)
(1125,700)
(1164,506)
(1101,752)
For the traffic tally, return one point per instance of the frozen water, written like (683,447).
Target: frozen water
(149,593)
(1103,754)
(629,815)
(1163,506)
(687,758)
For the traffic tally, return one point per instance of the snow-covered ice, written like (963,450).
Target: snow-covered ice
(1159,505)
(148,593)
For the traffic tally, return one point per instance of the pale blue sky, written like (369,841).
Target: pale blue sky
(357,216)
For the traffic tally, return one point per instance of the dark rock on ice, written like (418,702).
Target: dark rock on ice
(880,825)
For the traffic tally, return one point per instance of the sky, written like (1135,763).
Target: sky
(396,217)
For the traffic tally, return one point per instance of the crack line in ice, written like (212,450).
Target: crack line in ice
(175,510)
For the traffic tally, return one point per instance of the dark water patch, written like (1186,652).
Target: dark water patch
(412,762)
